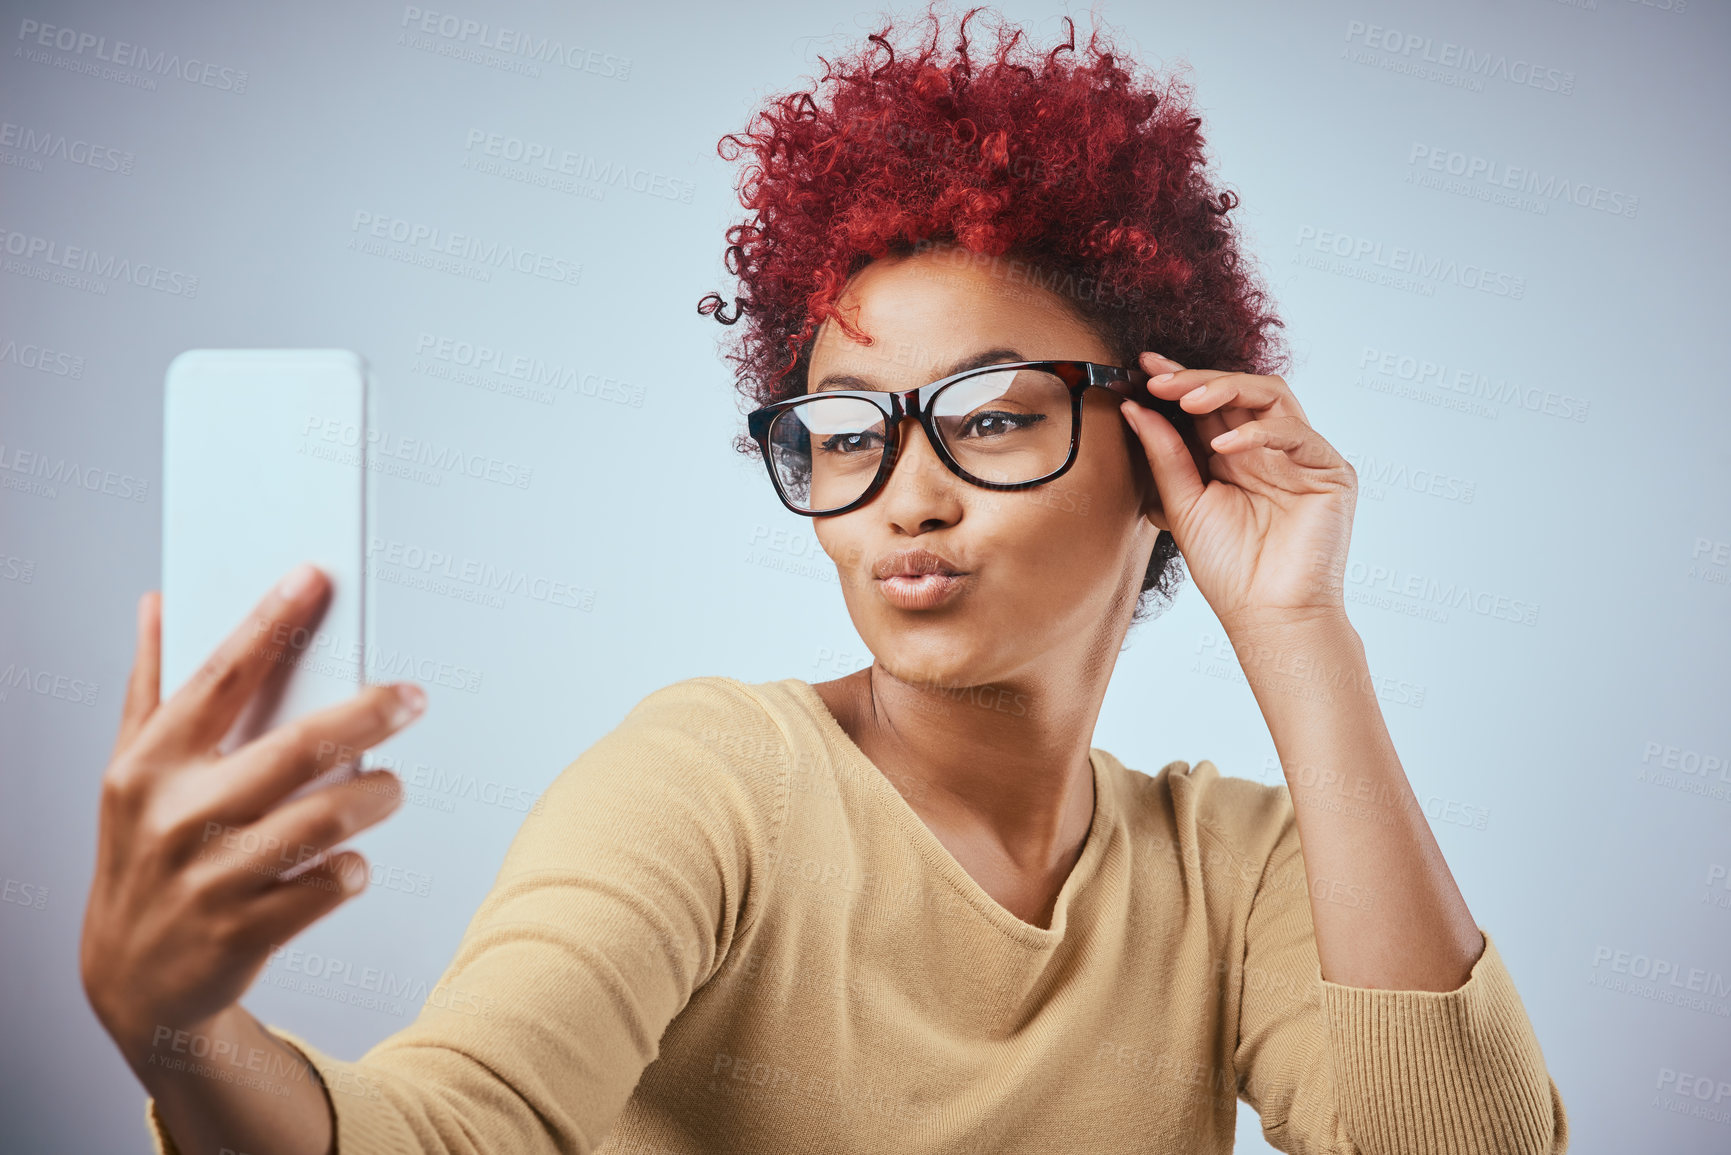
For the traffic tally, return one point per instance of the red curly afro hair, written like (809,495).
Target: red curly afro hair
(1068,162)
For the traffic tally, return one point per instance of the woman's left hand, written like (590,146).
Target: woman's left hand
(1265,537)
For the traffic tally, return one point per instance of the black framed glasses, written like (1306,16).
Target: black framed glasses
(1013,425)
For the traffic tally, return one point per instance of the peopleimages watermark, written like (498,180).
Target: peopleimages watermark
(549,160)
(1216,657)
(31,146)
(1709,561)
(469,579)
(513,46)
(1457,64)
(749,1078)
(368,987)
(1718,879)
(462,253)
(1399,266)
(1430,597)
(1019,276)
(270,1071)
(1690,1093)
(41,359)
(1486,178)
(1660,979)
(17,569)
(514,373)
(268,855)
(85,47)
(334,656)
(1377,476)
(47,684)
(1389,371)
(338,440)
(86,269)
(42,473)
(32,895)
(1685,770)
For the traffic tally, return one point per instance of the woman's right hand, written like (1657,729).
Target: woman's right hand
(186,904)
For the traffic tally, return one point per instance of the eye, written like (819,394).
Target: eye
(997,422)
(846,443)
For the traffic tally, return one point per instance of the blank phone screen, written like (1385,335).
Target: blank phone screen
(264,466)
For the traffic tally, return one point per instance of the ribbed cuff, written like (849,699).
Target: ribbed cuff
(366,1121)
(1452,1072)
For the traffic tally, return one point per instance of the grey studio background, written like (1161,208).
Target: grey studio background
(1496,232)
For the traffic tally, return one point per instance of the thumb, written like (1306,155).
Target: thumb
(1169,458)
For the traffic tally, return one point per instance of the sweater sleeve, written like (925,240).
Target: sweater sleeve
(617,899)
(1341,1070)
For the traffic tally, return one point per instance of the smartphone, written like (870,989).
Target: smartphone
(263,467)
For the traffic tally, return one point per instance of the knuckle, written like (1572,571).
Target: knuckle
(385,707)
(231,934)
(219,676)
(299,741)
(123,783)
(384,787)
(166,826)
(326,827)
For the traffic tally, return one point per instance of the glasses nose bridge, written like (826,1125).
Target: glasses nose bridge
(905,405)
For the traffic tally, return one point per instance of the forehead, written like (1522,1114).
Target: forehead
(924,311)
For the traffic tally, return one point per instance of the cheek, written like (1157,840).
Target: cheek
(850,557)
(1054,534)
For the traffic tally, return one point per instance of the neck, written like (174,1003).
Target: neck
(999,770)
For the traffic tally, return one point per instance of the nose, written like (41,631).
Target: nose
(920,492)
(916,445)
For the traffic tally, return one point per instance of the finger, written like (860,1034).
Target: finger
(1175,474)
(143,687)
(1199,391)
(1220,391)
(1170,381)
(1156,363)
(249,859)
(284,909)
(201,712)
(291,755)
(1288,435)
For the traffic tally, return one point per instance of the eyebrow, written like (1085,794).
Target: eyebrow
(977,361)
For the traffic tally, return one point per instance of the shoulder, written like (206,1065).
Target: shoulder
(698,738)
(1229,828)
(717,712)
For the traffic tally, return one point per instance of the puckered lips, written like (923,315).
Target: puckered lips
(917,579)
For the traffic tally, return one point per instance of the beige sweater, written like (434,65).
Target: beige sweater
(727,931)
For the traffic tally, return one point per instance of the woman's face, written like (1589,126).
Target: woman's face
(1051,573)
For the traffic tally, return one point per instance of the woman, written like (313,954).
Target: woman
(1006,358)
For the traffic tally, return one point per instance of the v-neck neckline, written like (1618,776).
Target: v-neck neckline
(938,855)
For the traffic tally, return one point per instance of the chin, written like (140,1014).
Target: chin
(933,662)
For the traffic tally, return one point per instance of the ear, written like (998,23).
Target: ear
(1144,475)
(1154,512)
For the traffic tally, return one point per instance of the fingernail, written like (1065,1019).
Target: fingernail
(411,700)
(1161,377)
(298,581)
(1194,393)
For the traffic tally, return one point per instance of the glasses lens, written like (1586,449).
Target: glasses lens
(1006,427)
(826,450)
